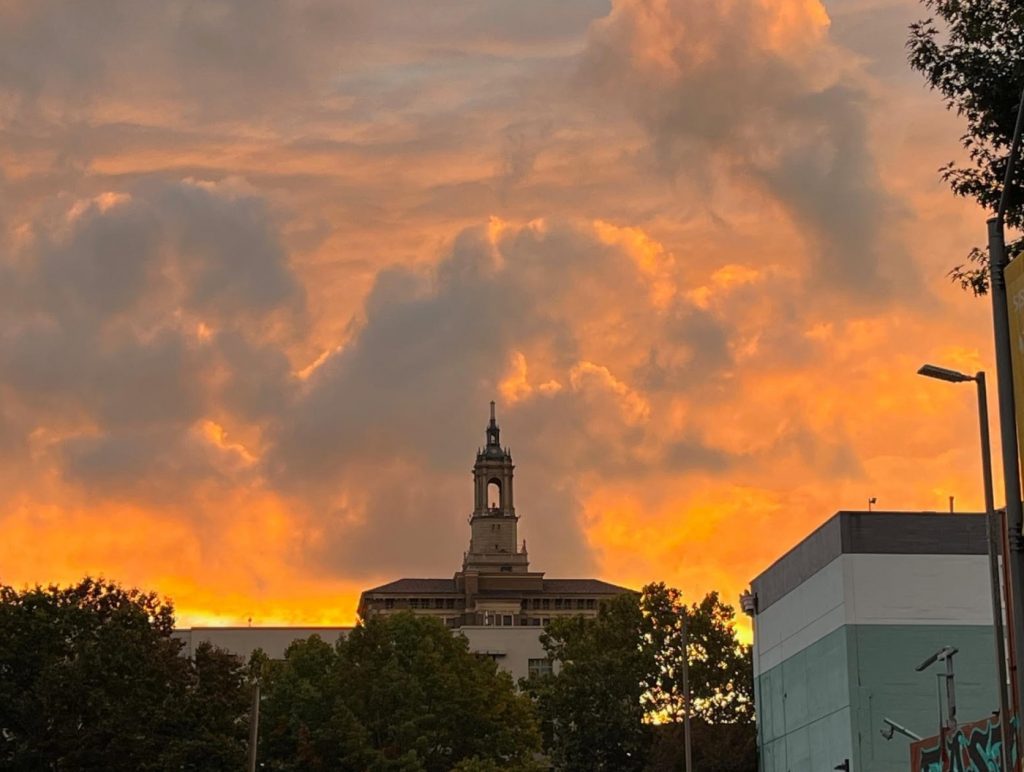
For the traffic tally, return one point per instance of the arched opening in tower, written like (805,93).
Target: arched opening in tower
(494,500)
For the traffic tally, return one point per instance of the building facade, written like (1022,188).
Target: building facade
(842,621)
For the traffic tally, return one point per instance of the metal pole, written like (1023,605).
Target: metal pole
(950,694)
(1006,726)
(1011,461)
(254,724)
(1014,557)
(686,689)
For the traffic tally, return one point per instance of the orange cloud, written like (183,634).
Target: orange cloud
(256,296)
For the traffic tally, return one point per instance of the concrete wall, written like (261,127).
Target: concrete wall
(243,641)
(804,708)
(883,659)
(511,647)
(837,652)
(874,589)
(826,702)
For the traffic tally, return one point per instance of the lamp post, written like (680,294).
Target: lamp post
(952,376)
(686,691)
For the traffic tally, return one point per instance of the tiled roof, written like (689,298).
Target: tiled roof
(551,586)
(416,585)
(583,586)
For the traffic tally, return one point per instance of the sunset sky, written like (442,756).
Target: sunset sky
(263,265)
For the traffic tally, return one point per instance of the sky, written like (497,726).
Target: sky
(263,265)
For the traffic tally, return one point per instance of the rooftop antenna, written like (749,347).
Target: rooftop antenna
(951,505)
(873,500)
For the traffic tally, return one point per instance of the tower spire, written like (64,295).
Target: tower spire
(493,434)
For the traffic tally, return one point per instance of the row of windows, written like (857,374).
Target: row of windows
(535,604)
(511,620)
(419,602)
(560,604)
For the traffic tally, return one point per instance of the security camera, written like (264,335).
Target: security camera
(748,602)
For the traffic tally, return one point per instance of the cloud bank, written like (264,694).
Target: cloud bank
(263,266)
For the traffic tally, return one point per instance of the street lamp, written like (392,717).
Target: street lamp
(953,376)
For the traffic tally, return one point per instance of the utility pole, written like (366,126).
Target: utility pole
(686,689)
(1007,418)
(254,724)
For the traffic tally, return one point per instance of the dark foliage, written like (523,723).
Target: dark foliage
(400,693)
(972,52)
(90,678)
(715,747)
(618,697)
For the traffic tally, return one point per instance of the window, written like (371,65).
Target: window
(558,603)
(508,620)
(506,569)
(590,603)
(414,602)
(449,602)
(546,603)
(580,603)
(546,621)
(535,621)
(389,603)
(536,603)
(538,667)
(438,602)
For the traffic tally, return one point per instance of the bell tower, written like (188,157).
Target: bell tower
(493,545)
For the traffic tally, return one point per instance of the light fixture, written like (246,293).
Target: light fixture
(944,374)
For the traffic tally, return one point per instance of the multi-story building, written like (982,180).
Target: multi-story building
(495,586)
(843,621)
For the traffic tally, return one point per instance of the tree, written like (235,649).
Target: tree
(91,678)
(721,670)
(400,693)
(211,728)
(593,710)
(618,696)
(975,59)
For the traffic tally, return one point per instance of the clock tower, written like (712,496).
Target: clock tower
(493,544)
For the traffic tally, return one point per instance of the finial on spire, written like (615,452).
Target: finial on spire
(492,411)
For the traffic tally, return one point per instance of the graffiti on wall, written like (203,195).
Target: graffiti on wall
(974,747)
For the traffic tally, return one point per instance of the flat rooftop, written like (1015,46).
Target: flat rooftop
(878,533)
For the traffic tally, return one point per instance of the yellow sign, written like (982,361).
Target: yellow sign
(1014,274)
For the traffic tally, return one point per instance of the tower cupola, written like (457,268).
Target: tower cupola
(493,541)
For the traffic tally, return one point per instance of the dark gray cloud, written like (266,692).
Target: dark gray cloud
(218,59)
(717,95)
(401,394)
(128,320)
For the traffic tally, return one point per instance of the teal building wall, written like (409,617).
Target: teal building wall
(826,702)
